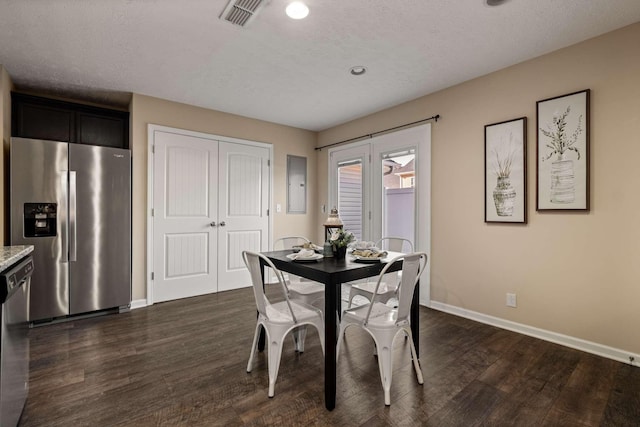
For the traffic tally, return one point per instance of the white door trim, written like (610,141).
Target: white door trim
(151,129)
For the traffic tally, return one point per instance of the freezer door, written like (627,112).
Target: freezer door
(99,228)
(38,175)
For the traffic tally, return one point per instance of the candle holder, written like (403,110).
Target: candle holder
(332,223)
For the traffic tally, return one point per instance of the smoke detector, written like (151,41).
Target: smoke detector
(241,12)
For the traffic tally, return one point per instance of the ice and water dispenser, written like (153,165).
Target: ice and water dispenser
(40,219)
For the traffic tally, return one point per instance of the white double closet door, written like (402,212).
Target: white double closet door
(210,202)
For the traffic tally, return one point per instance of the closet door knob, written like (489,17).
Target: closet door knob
(222,224)
(213,224)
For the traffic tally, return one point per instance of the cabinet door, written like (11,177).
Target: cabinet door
(95,129)
(51,119)
(43,122)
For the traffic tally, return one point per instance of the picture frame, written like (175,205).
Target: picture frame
(562,152)
(505,171)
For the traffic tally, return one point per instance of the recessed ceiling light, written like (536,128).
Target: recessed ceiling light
(297,10)
(358,70)
(495,2)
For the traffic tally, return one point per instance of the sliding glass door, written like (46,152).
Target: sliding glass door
(350,196)
(349,175)
(394,193)
(382,188)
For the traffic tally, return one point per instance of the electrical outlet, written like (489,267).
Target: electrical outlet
(511,300)
(278,207)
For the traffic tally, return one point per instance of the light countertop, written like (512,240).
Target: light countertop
(9,255)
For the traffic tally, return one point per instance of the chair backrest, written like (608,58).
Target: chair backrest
(252,261)
(289,242)
(413,265)
(395,244)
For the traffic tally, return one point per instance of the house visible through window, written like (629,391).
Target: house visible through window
(398,198)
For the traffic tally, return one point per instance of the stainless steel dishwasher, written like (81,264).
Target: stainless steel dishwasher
(14,340)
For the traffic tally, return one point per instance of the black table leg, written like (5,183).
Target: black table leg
(262,339)
(330,340)
(338,306)
(415,318)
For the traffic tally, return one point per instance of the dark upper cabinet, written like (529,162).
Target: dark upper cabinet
(31,120)
(44,118)
(97,129)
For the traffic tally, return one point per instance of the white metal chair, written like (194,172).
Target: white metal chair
(299,288)
(302,289)
(384,323)
(388,288)
(277,319)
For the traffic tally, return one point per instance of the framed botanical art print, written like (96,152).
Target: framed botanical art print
(505,171)
(562,153)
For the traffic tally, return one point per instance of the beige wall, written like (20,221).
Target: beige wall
(285,140)
(574,273)
(5,130)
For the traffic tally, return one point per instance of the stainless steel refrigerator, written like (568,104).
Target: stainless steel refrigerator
(72,202)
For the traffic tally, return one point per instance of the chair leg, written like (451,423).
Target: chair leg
(343,327)
(385,363)
(254,347)
(414,357)
(275,352)
(351,295)
(299,335)
(319,325)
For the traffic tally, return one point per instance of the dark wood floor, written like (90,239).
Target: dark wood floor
(183,363)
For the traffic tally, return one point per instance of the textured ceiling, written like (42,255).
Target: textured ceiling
(280,70)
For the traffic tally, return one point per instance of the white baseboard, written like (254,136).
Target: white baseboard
(554,337)
(139,303)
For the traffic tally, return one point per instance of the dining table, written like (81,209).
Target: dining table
(333,273)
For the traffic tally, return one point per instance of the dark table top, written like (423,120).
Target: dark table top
(331,270)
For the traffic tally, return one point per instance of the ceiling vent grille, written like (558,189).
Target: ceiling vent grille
(240,12)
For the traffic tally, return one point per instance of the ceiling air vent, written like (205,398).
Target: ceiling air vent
(240,12)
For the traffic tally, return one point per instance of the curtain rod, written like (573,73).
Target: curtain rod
(371,135)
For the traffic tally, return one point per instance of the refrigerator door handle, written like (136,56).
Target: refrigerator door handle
(64,236)
(72,216)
